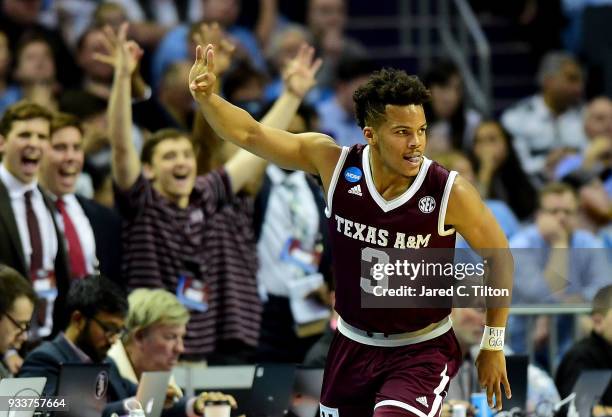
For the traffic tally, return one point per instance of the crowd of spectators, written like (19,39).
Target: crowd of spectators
(108,168)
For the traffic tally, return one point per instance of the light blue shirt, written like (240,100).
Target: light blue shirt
(588,271)
(339,124)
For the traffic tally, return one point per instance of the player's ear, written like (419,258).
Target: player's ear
(368,133)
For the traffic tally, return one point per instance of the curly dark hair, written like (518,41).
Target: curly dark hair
(387,86)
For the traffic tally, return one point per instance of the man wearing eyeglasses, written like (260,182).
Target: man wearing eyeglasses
(96,308)
(17,300)
(556,262)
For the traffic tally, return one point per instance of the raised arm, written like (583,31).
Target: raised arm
(123,55)
(310,152)
(247,169)
(474,221)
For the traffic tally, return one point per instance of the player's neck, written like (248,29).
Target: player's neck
(388,183)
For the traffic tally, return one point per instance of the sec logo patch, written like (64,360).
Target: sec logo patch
(427,204)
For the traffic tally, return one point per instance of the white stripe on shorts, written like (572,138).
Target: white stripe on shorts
(434,407)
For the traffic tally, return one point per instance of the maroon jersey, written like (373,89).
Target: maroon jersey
(360,218)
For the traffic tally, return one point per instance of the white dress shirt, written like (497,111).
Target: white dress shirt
(16,190)
(83,229)
(280,225)
(537,131)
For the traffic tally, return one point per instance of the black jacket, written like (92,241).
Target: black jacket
(11,254)
(592,352)
(46,361)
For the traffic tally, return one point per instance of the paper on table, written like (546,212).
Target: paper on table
(306,310)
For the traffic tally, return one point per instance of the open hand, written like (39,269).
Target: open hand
(299,73)
(120,53)
(224,48)
(202,77)
(491,365)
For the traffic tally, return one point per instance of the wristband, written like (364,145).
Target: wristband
(493,338)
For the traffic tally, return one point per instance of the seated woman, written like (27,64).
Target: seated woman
(499,174)
(153,341)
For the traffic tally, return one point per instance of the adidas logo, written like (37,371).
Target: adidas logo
(356,190)
(423,400)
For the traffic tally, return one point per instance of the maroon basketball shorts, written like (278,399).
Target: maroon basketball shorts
(363,380)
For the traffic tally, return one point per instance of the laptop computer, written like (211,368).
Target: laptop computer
(589,388)
(85,386)
(19,387)
(271,392)
(516,367)
(151,392)
(306,392)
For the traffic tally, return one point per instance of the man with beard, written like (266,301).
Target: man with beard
(97,309)
(31,240)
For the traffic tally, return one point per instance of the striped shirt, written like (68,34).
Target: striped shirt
(163,242)
(229,242)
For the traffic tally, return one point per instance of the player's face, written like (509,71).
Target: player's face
(400,139)
(161,345)
(23,146)
(14,323)
(173,170)
(62,161)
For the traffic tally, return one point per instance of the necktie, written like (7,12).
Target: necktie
(75,251)
(34,232)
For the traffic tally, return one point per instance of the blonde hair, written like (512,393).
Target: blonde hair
(153,306)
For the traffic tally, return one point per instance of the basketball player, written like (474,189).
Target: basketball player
(381,362)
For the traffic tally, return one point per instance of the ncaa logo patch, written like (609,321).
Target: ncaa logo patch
(427,204)
(352,174)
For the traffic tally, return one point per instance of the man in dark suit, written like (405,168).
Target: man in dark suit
(92,231)
(97,308)
(31,241)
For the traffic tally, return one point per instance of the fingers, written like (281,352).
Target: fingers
(316,66)
(107,43)
(232,401)
(489,389)
(122,33)
(210,58)
(506,386)
(498,397)
(199,57)
(105,59)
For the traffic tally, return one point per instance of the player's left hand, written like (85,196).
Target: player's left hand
(491,365)
(202,76)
